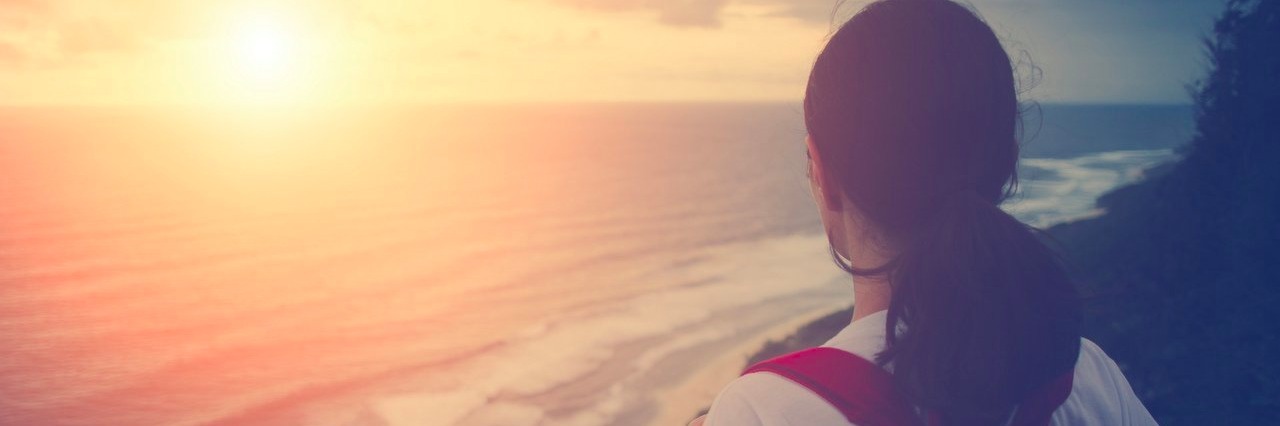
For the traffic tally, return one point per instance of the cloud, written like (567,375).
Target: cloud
(704,13)
(12,6)
(12,56)
(680,13)
(42,33)
(57,33)
(96,36)
(18,15)
(708,13)
(821,12)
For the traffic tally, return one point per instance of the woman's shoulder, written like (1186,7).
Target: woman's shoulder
(768,399)
(1100,394)
(1094,368)
(765,399)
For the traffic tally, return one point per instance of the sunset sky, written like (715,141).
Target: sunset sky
(214,52)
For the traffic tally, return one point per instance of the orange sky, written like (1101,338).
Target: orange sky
(238,51)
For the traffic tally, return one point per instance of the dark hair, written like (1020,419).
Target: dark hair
(913,110)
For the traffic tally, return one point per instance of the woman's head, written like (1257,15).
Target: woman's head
(912,116)
(911,102)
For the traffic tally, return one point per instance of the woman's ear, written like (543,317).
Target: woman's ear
(823,190)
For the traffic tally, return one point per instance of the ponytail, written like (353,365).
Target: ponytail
(988,310)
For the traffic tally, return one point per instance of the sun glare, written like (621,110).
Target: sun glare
(263,60)
(265,51)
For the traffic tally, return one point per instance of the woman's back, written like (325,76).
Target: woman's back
(1100,395)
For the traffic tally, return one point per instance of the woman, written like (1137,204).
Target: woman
(963,315)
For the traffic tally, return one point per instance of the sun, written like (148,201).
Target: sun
(266,51)
(263,59)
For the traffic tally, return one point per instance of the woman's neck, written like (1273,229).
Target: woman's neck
(870,295)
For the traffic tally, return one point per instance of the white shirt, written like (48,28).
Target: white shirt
(1100,395)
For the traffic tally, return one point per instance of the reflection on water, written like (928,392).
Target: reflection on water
(337,266)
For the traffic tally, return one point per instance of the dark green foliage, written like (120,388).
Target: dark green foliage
(1181,275)
(812,334)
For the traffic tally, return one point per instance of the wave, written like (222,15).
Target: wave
(624,341)
(1056,190)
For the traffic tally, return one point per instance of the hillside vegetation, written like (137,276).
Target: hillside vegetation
(1182,274)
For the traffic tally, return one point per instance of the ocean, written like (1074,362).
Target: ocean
(434,265)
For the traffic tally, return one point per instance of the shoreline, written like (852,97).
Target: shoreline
(692,397)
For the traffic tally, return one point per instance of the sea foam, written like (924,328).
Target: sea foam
(1055,190)
(566,351)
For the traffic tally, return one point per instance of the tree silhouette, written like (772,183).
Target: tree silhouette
(1182,275)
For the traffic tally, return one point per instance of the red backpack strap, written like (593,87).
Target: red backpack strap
(861,390)
(865,394)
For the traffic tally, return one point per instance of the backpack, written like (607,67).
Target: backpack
(866,394)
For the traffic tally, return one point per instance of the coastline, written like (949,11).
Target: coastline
(693,397)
